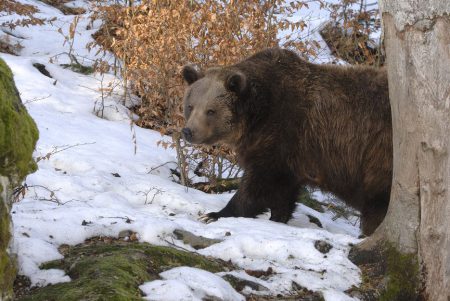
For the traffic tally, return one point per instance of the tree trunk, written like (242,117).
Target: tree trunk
(417,40)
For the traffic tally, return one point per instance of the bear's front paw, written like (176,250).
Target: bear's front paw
(209,217)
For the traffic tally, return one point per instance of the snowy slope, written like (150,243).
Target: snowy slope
(94,184)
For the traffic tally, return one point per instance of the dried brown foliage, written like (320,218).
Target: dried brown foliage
(348,33)
(154,39)
(67,10)
(26,11)
(12,6)
(7,46)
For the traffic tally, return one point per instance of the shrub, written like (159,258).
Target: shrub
(154,39)
(349,32)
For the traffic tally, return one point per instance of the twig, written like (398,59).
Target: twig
(161,165)
(19,193)
(53,197)
(158,191)
(126,218)
(36,99)
(58,149)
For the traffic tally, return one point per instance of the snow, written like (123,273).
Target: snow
(316,14)
(94,184)
(315,18)
(185,283)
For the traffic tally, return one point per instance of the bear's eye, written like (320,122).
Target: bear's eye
(190,107)
(211,112)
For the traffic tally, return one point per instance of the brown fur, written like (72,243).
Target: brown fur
(293,123)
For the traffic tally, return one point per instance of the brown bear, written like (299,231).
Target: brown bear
(293,123)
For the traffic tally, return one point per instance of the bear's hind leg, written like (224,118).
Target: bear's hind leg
(373,213)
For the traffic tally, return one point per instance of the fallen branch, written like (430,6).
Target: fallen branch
(161,165)
(58,149)
(219,185)
(53,198)
(146,194)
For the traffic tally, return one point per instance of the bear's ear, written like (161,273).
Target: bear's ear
(191,74)
(236,82)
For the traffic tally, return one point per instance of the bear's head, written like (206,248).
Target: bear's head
(210,105)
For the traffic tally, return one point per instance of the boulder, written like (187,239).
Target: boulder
(18,136)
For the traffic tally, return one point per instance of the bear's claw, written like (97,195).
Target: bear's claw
(208,218)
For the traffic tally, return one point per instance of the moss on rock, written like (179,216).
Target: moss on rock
(113,271)
(18,132)
(7,264)
(18,136)
(402,276)
(387,274)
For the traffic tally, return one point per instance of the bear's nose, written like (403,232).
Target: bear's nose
(187,134)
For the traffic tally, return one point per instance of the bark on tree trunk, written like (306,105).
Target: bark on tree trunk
(417,40)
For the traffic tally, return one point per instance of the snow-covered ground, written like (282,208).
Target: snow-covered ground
(94,184)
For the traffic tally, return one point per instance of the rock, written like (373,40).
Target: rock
(17,129)
(260,273)
(322,246)
(125,233)
(302,293)
(197,242)
(239,284)
(114,270)
(85,223)
(18,135)
(314,220)
(42,69)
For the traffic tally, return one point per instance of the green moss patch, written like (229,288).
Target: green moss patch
(77,67)
(18,135)
(402,277)
(18,132)
(113,270)
(7,266)
(306,199)
(387,275)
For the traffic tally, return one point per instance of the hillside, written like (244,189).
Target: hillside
(92,182)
